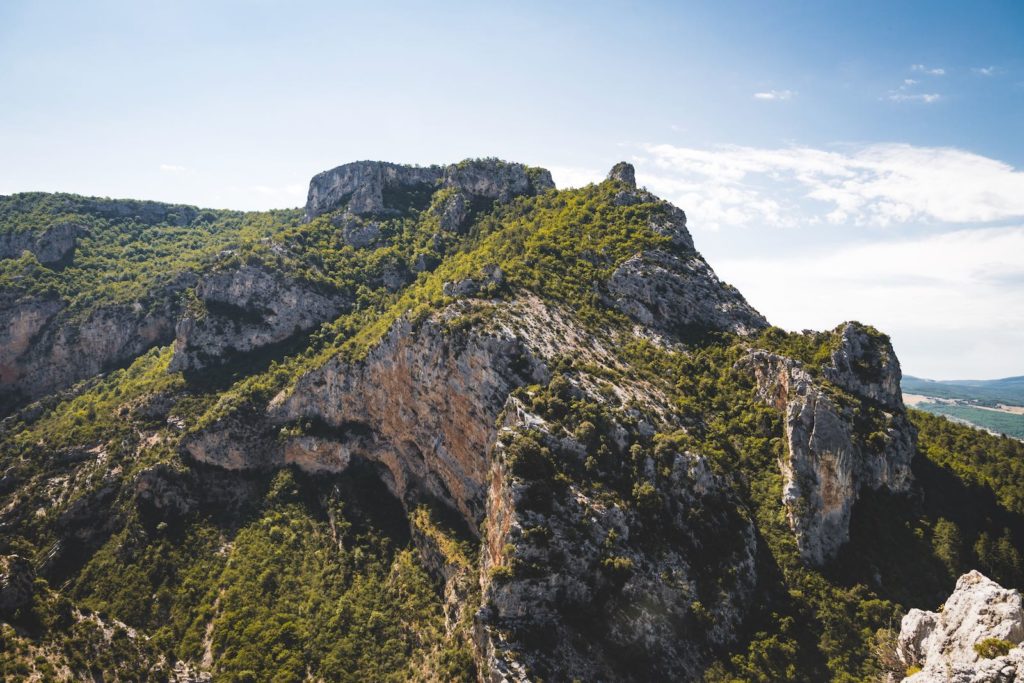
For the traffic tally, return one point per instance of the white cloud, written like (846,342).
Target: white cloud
(575,176)
(882,184)
(921,68)
(953,302)
(984,70)
(927,98)
(172,168)
(774,95)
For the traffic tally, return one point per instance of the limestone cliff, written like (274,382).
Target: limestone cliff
(827,461)
(366,188)
(247,308)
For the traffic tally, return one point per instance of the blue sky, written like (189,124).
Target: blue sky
(837,160)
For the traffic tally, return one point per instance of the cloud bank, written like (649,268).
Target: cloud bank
(881,184)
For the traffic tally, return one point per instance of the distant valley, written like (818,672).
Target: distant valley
(995,405)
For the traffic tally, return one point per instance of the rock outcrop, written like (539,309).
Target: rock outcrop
(949,646)
(54,246)
(680,295)
(827,462)
(377,188)
(624,173)
(45,347)
(423,403)
(17,577)
(865,364)
(245,309)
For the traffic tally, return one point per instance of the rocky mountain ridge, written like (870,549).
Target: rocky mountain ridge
(608,465)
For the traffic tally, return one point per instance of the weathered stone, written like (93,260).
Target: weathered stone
(624,173)
(943,643)
(17,577)
(53,246)
(360,186)
(45,348)
(248,308)
(491,277)
(679,295)
(377,188)
(164,494)
(865,364)
(825,465)
(649,604)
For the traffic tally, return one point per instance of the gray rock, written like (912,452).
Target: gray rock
(624,173)
(52,247)
(651,604)
(164,494)
(865,364)
(942,643)
(360,186)
(679,295)
(248,308)
(17,577)
(825,464)
(497,180)
(45,348)
(491,277)
(366,188)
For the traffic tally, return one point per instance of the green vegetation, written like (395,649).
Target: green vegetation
(279,576)
(990,648)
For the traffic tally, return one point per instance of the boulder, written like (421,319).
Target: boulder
(944,644)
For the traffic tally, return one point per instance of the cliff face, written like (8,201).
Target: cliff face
(245,309)
(53,246)
(378,188)
(45,348)
(828,459)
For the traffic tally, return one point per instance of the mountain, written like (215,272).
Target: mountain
(451,423)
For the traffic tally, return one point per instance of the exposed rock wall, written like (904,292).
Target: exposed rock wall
(579,571)
(943,643)
(826,462)
(44,348)
(248,308)
(365,188)
(680,295)
(423,403)
(52,247)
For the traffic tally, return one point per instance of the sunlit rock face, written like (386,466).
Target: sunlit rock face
(943,644)
(827,461)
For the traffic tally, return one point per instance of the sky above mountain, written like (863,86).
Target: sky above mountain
(856,161)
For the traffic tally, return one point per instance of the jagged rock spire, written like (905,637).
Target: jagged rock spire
(623,172)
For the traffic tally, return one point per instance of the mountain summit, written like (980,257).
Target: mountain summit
(449,423)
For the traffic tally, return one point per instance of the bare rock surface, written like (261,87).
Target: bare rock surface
(825,464)
(679,294)
(248,308)
(45,348)
(365,188)
(53,246)
(943,643)
(16,583)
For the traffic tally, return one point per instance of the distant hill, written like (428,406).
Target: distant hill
(996,405)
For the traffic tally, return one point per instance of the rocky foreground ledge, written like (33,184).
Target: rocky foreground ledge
(976,637)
